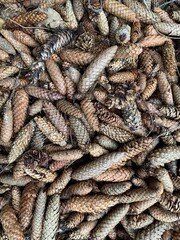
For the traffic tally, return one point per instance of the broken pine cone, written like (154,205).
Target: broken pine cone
(33,158)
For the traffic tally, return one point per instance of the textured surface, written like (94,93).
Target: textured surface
(60,183)
(50,131)
(7,122)
(115,188)
(50,223)
(73,220)
(89,123)
(67,155)
(163,215)
(164,155)
(56,76)
(119,10)
(154,231)
(91,203)
(106,116)
(142,13)
(109,222)
(55,117)
(102,23)
(25,38)
(115,175)
(20,107)
(10,180)
(21,142)
(76,56)
(172,29)
(90,113)
(136,195)
(26,19)
(97,166)
(83,231)
(138,221)
(170,202)
(164,89)
(92,72)
(122,77)
(7,71)
(10,223)
(56,41)
(169,59)
(115,133)
(80,188)
(41,174)
(163,176)
(38,215)
(20,47)
(16,196)
(42,93)
(69,108)
(80,132)
(26,205)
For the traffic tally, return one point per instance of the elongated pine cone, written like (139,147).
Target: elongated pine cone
(27,203)
(91,203)
(20,107)
(10,224)
(90,120)
(26,19)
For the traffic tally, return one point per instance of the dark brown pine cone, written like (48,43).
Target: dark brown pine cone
(34,158)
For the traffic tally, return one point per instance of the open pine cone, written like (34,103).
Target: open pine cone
(85,42)
(34,158)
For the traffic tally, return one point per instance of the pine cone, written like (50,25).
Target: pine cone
(10,224)
(26,19)
(106,116)
(16,197)
(75,56)
(90,203)
(85,42)
(73,220)
(115,175)
(142,12)
(163,215)
(27,203)
(170,202)
(108,222)
(153,231)
(120,10)
(21,142)
(20,107)
(55,42)
(80,188)
(34,158)
(42,93)
(7,71)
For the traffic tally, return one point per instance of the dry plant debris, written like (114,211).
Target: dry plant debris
(90,119)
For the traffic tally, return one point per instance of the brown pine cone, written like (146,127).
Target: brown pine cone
(20,106)
(10,224)
(91,203)
(4,200)
(85,41)
(34,158)
(27,204)
(26,19)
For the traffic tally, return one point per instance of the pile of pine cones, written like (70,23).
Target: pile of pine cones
(90,120)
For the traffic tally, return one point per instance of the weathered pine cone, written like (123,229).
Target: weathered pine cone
(33,158)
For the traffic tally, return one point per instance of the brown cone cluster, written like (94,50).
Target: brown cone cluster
(90,120)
